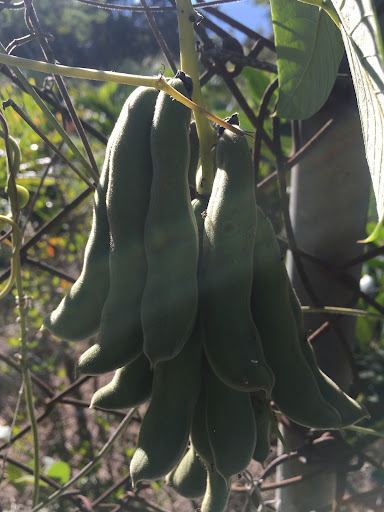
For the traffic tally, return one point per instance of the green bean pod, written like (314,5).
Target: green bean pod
(130,387)
(216,493)
(120,338)
(350,411)
(296,391)
(77,317)
(169,304)
(189,477)
(217,488)
(231,426)
(232,343)
(167,423)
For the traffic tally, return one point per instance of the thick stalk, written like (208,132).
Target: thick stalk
(187,16)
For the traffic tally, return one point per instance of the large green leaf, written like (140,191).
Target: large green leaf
(309,49)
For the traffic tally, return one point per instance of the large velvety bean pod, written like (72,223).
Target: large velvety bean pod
(232,342)
(120,338)
(77,317)
(167,423)
(296,392)
(231,426)
(169,303)
(217,489)
(263,417)
(130,386)
(216,493)
(189,477)
(350,411)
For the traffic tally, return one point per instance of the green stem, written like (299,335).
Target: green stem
(157,82)
(342,311)
(54,497)
(186,17)
(28,384)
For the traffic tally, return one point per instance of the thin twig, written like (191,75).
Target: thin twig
(321,330)
(24,40)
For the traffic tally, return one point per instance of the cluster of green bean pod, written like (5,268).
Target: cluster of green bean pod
(192,306)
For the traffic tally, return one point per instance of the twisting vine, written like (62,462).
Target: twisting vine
(13,159)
